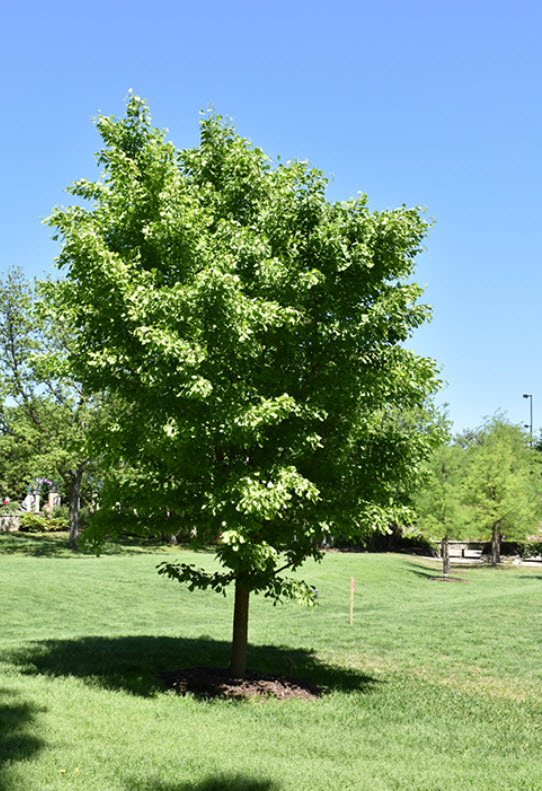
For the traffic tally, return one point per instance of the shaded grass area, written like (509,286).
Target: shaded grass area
(235,782)
(19,733)
(55,544)
(132,664)
(433,687)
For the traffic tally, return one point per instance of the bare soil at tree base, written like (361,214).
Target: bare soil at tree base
(215,682)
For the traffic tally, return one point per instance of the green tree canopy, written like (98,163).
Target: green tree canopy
(251,334)
(20,438)
(443,513)
(43,413)
(485,485)
(503,483)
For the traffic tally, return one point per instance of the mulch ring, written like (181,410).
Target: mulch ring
(449,579)
(216,682)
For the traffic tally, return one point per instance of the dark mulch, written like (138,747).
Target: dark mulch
(216,682)
(448,579)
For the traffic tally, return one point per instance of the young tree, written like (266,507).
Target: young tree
(43,415)
(251,335)
(440,502)
(503,484)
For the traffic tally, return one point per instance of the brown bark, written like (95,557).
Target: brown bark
(496,544)
(445,549)
(238,663)
(74,487)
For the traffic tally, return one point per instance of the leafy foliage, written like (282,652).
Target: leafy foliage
(279,588)
(486,485)
(249,335)
(442,504)
(35,523)
(9,509)
(504,483)
(442,510)
(43,413)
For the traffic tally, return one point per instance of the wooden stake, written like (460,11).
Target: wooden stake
(352,589)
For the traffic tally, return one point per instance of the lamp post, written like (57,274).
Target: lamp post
(530,425)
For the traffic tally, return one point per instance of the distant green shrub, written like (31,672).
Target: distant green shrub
(85,515)
(58,523)
(61,512)
(525,549)
(33,523)
(10,509)
(531,549)
(36,523)
(394,541)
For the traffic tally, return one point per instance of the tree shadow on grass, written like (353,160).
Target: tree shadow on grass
(55,545)
(222,782)
(421,570)
(36,544)
(132,663)
(426,572)
(17,743)
(432,573)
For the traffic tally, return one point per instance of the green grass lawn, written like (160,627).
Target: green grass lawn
(435,686)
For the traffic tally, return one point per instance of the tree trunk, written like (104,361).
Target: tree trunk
(238,664)
(445,549)
(74,490)
(496,544)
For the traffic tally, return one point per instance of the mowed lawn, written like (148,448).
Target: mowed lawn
(434,686)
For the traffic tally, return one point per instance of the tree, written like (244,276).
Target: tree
(440,503)
(43,414)
(16,451)
(250,333)
(503,483)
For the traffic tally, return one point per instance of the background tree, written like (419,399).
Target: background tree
(251,335)
(44,415)
(503,484)
(443,513)
(18,442)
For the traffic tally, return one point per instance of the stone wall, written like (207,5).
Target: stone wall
(9,524)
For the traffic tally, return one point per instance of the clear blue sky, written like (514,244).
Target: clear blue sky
(424,102)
